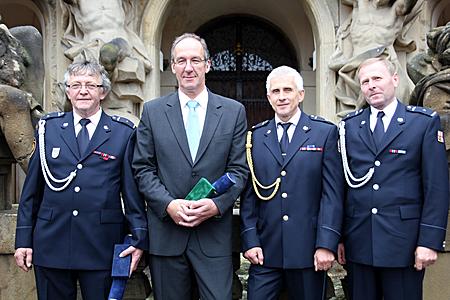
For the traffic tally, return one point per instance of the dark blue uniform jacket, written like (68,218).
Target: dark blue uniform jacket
(76,228)
(306,212)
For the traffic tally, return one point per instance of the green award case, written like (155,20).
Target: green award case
(203,189)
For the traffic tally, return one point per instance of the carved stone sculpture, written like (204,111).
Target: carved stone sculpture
(375,28)
(431,73)
(21,78)
(101,30)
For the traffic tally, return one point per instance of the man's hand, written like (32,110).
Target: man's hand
(424,257)
(255,255)
(323,259)
(341,254)
(176,207)
(136,255)
(195,212)
(24,258)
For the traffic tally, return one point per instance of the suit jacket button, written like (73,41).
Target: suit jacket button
(77,189)
(285,217)
(374,210)
(377,163)
(79,166)
(284,195)
(283,173)
(75,212)
(375,187)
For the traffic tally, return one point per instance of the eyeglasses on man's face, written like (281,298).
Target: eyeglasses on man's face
(195,61)
(89,86)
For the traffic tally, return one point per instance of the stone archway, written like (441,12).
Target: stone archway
(317,12)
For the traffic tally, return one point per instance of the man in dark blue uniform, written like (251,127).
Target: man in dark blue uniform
(70,213)
(397,197)
(291,209)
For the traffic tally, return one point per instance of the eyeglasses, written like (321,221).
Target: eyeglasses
(196,61)
(89,86)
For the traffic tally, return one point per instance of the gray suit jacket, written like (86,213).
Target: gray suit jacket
(165,171)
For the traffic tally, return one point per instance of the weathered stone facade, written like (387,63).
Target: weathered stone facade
(316,28)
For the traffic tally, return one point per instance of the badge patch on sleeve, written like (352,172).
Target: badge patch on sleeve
(440,136)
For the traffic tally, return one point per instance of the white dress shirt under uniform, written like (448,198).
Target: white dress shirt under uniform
(388,114)
(95,119)
(294,120)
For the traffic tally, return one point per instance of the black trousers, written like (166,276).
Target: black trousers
(300,284)
(376,283)
(61,284)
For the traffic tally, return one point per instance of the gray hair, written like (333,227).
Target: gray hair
(189,36)
(285,71)
(91,68)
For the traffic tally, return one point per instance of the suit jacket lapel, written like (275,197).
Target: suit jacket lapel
(175,119)
(301,134)
(101,134)
(68,134)
(271,141)
(395,126)
(213,116)
(364,131)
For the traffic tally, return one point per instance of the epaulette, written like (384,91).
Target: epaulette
(123,120)
(422,110)
(352,114)
(320,119)
(259,125)
(52,115)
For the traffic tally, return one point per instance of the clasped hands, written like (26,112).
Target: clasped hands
(191,213)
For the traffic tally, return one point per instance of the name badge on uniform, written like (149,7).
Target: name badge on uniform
(311,148)
(55,152)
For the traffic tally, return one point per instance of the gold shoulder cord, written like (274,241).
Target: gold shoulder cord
(255,181)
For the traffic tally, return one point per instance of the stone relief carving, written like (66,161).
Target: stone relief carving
(21,79)
(375,27)
(430,71)
(102,30)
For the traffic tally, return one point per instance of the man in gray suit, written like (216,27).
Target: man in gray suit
(182,137)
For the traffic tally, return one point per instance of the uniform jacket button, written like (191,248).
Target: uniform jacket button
(374,210)
(75,212)
(77,189)
(375,187)
(285,217)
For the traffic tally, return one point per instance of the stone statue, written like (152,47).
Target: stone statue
(431,73)
(21,80)
(375,27)
(102,30)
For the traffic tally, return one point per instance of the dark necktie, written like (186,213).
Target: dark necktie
(378,132)
(83,136)
(284,142)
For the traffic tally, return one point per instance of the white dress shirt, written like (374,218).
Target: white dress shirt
(202,100)
(294,120)
(95,119)
(388,114)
